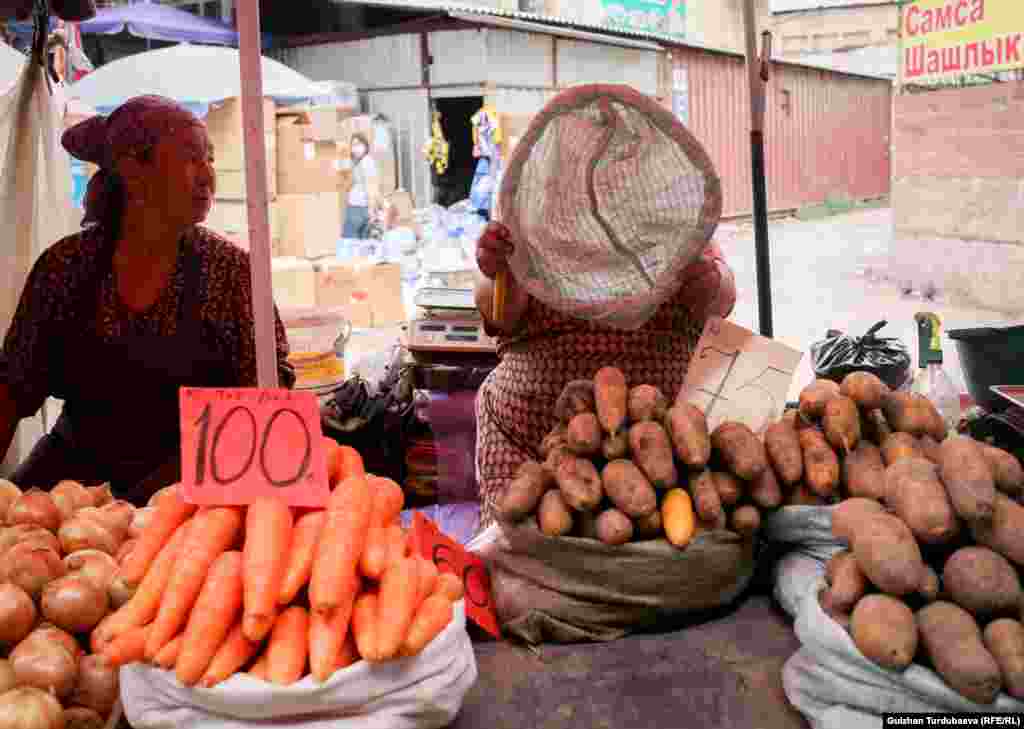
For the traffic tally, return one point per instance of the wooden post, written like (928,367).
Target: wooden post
(251,67)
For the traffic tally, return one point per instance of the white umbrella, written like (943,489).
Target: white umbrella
(187,73)
(11,63)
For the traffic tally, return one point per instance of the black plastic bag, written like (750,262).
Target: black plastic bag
(838,355)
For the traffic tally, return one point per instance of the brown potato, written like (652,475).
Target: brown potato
(652,451)
(706,501)
(741,450)
(553,516)
(847,582)
(629,489)
(765,490)
(864,388)
(884,630)
(746,521)
(556,456)
(1005,534)
(815,397)
(915,494)
(953,642)
(874,426)
(584,435)
(522,495)
(678,518)
(864,472)
(650,526)
(847,516)
(611,396)
(688,429)
(646,402)
(841,423)
(782,446)
(1004,639)
(557,438)
(576,398)
(899,446)
(614,527)
(982,582)
(1006,469)
(579,483)
(615,446)
(821,465)
(825,598)
(908,412)
(728,487)
(888,554)
(968,478)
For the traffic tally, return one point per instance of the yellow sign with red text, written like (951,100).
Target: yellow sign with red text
(950,38)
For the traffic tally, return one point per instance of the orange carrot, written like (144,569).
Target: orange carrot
(235,652)
(212,616)
(327,635)
(427,582)
(399,588)
(397,544)
(342,462)
(432,617)
(129,647)
(268,540)
(209,535)
(145,603)
(450,586)
(341,545)
(365,625)
(171,513)
(375,554)
(168,655)
(287,648)
(388,500)
(305,536)
(259,668)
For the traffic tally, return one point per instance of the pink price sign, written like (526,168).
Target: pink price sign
(241,444)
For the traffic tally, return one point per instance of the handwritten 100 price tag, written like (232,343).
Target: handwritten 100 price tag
(241,444)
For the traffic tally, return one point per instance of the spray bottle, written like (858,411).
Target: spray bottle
(931,380)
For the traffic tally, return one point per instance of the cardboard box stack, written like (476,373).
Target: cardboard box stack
(370,293)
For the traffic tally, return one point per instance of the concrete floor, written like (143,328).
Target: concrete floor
(832,273)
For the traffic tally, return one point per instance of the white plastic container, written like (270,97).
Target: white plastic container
(317,339)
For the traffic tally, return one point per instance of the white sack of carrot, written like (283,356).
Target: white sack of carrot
(276,593)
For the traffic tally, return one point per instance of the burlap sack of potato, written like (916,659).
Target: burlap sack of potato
(569,590)
(828,679)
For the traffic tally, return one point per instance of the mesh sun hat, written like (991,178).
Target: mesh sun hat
(608,198)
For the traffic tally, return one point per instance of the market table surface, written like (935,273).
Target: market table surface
(723,673)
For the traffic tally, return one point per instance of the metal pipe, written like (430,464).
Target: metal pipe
(251,68)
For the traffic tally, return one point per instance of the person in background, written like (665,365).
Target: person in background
(362,197)
(115,319)
(542,350)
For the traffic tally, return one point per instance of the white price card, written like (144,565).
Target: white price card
(737,375)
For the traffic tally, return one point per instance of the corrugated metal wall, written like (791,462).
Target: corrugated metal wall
(826,134)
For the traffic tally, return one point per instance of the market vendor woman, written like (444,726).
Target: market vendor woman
(542,350)
(115,319)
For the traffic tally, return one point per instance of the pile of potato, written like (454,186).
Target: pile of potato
(622,465)
(935,532)
(59,553)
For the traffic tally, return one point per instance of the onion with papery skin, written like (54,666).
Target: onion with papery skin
(98,687)
(74,604)
(119,516)
(27,533)
(31,568)
(50,633)
(9,493)
(30,708)
(140,521)
(45,665)
(79,717)
(92,564)
(85,533)
(120,592)
(34,507)
(167,492)
(101,495)
(7,678)
(125,550)
(17,614)
(70,496)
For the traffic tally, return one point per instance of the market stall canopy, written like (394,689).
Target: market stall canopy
(11,63)
(199,75)
(161,23)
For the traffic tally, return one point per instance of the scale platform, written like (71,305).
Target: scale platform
(448,324)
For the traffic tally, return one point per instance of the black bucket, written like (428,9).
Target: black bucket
(990,355)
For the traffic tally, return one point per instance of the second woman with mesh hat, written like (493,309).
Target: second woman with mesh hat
(115,319)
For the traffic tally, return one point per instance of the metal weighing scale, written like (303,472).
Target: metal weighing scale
(447,341)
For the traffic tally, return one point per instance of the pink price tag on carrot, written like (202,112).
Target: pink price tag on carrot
(242,444)
(450,556)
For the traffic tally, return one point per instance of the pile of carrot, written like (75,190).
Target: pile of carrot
(279,592)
